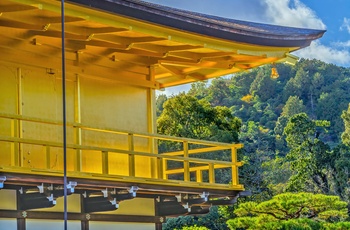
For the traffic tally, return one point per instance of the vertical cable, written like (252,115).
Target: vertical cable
(64,117)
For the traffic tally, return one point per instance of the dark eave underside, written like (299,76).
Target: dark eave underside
(212,26)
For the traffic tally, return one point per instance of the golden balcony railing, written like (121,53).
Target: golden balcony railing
(108,154)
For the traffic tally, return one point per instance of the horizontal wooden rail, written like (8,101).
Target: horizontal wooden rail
(113,150)
(158,167)
(195,151)
(123,132)
(195,168)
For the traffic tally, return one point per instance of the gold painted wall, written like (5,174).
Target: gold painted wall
(8,81)
(93,102)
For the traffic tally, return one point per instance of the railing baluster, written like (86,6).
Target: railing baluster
(78,167)
(211,173)
(105,167)
(160,170)
(165,168)
(199,176)
(186,163)
(131,155)
(15,132)
(234,166)
(19,111)
(154,161)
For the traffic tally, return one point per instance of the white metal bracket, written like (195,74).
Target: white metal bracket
(114,202)
(41,188)
(51,198)
(105,192)
(2,181)
(205,196)
(133,190)
(72,185)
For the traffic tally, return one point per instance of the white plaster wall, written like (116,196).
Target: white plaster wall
(95,225)
(50,225)
(8,224)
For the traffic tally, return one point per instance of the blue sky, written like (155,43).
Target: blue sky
(332,15)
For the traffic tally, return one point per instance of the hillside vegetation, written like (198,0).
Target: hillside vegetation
(295,129)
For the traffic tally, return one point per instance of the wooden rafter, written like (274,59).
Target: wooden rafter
(16,7)
(166,49)
(93,30)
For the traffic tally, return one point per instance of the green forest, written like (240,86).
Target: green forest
(296,135)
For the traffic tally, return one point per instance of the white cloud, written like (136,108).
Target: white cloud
(346,25)
(342,44)
(174,90)
(324,53)
(280,12)
(292,13)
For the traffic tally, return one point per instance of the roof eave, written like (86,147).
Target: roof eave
(301,37)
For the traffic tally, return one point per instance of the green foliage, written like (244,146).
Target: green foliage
(263,86)
(276,172)
(186,116)
(293,106)
(257,149)
(159,103)
(290,211)
(219,92)
(194,228)
(337,226)
(341,171)
(198,90)
(346,134)
(283,149)
(214,220)
(309,156)
(316,166)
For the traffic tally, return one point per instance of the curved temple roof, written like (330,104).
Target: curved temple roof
(225,28)
(140,43)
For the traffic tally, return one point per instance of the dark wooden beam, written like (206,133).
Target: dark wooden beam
(158,226)
(21,224)
(79,216)
(95,184)
(85,225)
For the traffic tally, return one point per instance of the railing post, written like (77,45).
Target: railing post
(17,150)
(18,122)
(77,129)
(199,176)
(165,168)
(131,155)
(78,152)
(160,169)
(186,163)
(234,166)
(14,145)
(152,122)
(211,173)
(105,167)
(155,166)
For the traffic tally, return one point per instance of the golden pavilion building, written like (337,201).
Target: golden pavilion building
(117,53)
